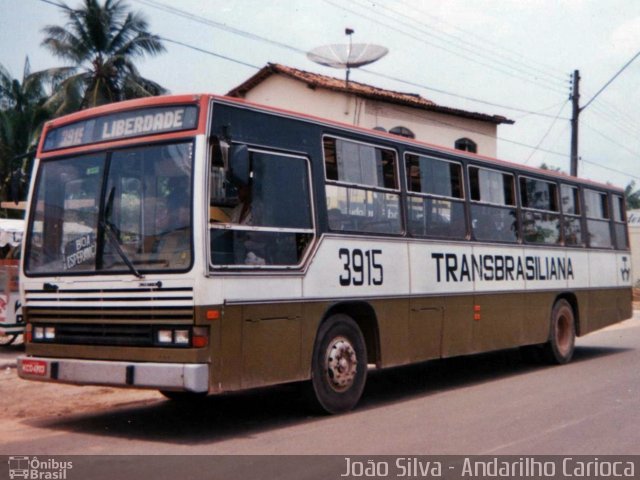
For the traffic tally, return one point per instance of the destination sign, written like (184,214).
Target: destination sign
(115,126)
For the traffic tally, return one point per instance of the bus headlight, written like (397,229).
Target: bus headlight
(38,333)
(181,337)
(165,336)
(50,333)
(43,334)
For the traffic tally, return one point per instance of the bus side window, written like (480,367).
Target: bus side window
(597,211)
(362,187)
(619,223)
(436,201)
(268,219)
(540,216)
(493,213)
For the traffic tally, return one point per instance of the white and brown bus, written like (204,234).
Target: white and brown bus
(202,244)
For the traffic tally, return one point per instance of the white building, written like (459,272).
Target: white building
(633,220)
(371,107)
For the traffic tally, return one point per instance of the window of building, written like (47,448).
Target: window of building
(493,213)
(541,218)
(467,145)
(435,207)
(402,131)
(597,210)
(362,187)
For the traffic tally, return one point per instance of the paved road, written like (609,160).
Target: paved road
(490,404)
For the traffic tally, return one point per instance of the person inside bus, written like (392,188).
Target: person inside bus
(249,247)
(242,214)
(172,229)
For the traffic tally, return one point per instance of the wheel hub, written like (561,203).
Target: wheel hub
(341,364)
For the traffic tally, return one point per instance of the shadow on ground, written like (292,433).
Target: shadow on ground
(237,415)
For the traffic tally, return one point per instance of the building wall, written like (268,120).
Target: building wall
(436,128)
(633,220)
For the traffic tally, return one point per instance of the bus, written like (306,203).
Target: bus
(11,321)
(198,244)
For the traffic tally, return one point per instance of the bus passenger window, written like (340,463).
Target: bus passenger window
(436,208)
(265,222)
(540,218)
(619,223)
(362,187)
(493,214)
(571,224)
(597,210)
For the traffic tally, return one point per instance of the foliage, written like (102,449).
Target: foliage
(551,168)
(632,196)
(22,114)
(101,42)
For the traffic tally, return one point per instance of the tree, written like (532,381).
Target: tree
(22,114)
(551,168)
(101,42)
(632,196)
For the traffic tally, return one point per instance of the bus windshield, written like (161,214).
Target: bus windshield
(121,211)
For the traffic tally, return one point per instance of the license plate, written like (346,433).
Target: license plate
(34,367)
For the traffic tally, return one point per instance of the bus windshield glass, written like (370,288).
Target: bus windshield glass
(121,211)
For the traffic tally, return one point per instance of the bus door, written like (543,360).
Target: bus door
(261,226)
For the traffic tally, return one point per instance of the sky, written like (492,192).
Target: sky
(505,57)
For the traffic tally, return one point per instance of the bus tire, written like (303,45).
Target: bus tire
(562,335)
(338,366)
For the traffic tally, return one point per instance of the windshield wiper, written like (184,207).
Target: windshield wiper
(111,235)
(109,229)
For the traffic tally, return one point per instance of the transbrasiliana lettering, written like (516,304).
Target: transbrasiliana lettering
(452,267)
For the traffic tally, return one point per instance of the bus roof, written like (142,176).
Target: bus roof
(202,99)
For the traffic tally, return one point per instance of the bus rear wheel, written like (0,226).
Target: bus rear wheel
(339,365)
(562,336)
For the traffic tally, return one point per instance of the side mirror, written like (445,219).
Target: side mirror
(239,165)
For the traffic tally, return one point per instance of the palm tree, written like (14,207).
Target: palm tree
(101,41)
(22,115)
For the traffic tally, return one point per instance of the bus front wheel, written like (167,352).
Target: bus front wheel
(562,336)
(339,365)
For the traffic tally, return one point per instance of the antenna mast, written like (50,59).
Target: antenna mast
(349,33)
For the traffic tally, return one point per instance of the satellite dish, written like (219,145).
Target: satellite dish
(345,56)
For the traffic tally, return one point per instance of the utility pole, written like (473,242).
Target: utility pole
(575,101)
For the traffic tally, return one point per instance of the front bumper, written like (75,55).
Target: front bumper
(191,377)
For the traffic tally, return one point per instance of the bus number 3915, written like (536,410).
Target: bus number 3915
(360,267)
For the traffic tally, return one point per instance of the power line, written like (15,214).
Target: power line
(493,56)
(546,133)
(552,72)
(209,52)
(245,34)
(466,57)
(456,95)
(604,167)
(219,25)
(624,67)
(624,147)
